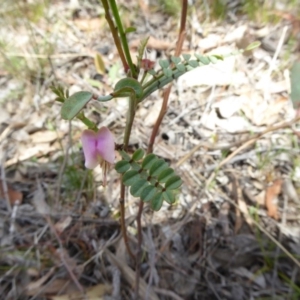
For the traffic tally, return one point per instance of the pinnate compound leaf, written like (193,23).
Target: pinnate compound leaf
(176,60)
(295,84)
(164,63)
(173,183)
(122,166)
(138,154)
(126,86)
(149,160)
(157,201)
(148,193)
(169,196)
(74,104)
(158,167)
(130,177)
(165,175)
(186,57)
(137,188)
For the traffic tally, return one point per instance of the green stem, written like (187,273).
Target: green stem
(91,125)
(114,33)
(129,120)
(104,98)
(124,42)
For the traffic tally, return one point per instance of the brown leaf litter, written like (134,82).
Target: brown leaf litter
(234,231)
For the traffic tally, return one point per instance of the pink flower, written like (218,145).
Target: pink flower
(98,148)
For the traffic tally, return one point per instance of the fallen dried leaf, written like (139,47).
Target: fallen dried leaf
(12,194)
(62,224)
(39,201)
(271,198)
(44,137)
(33,287)
(93,293)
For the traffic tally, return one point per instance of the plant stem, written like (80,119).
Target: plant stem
(128,127)
(91,125)
(114,33)
(122,220)
(124,42)
(163,110)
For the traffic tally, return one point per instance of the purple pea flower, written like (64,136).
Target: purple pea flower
(99,149)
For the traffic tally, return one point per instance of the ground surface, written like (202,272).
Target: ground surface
(229,132)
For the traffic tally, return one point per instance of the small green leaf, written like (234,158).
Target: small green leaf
(151,72)
(218,56)
(138,154)
(181,67)
(173,183)
(148,193)
(58,90)
(130,29)
(153,181)
(176,60)
(253,45)
(141,49)
(157,201)
(126,86)
(135,166)
(213,59)
(165,175)
(202,59)
(193,63)
(164,63)
(149,161)
(158,167)
(167,72)
(137,188)
(122,166)
(186,57)
(74,104)
(130,177)
(168,196)
(124,155)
